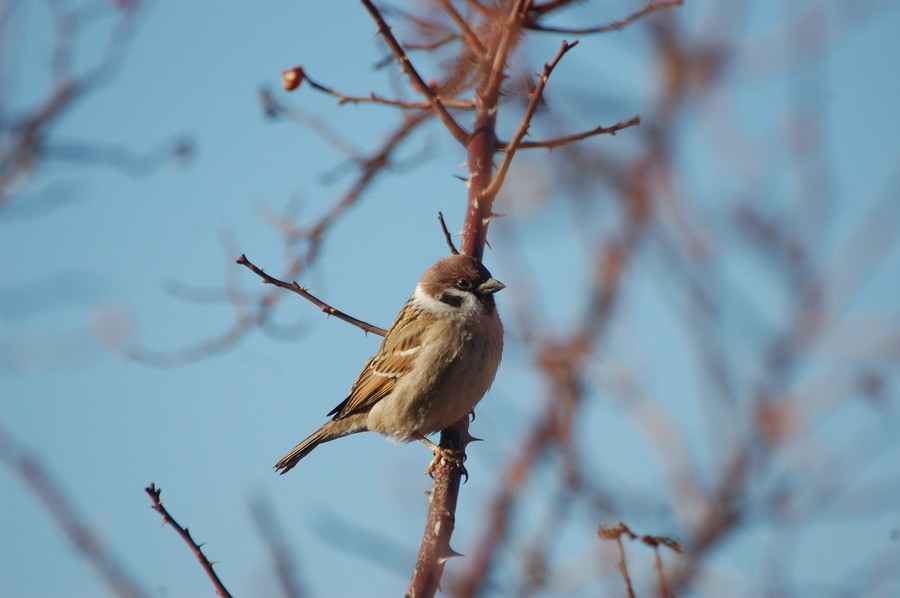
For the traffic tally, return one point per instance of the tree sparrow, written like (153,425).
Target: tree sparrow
(434,365)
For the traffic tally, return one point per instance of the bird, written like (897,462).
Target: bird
(436,362)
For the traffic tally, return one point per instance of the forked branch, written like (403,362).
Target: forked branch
(513,145)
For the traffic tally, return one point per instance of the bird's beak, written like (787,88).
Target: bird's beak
(490,286)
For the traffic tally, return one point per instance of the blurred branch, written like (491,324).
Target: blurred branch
(85,542)
(26,140)
(270,530)
(293,79)
(651,7)
(154,493)
(121,157)
(615,533)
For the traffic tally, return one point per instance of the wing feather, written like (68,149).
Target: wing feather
(395,358)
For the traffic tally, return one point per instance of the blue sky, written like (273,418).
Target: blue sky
(88,252)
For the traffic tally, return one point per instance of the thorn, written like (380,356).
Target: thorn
(453,553)
(442,560)
(471,438)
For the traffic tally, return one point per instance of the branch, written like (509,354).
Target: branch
(481,147)
(558,141)
(447,236)
(613,26)
(435,102)
(615,533)
(491,191)
(294,78)
(293,286)
(154,493)
(435,550)
(270,531)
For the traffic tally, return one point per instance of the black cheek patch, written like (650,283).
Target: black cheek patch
(450,299)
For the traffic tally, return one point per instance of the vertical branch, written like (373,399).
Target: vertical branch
(481,162)
(481,145)
(435,549)
(483,139)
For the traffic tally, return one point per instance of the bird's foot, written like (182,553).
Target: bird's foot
(452,456)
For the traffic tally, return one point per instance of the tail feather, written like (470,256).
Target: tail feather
(331,430)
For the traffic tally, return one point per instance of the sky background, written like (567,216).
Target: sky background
(90,254)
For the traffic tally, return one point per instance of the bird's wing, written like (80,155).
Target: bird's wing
(395,358)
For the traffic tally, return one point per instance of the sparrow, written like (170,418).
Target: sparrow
(436,362)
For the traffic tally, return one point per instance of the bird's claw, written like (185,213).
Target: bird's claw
(452,456)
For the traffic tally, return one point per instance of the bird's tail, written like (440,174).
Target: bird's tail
(330,431)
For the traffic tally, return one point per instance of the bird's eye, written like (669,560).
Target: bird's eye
(464,284)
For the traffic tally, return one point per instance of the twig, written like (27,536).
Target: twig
(558,141)
(293,78)
(293,286)
(435,101)
(622,566)
(154,493)
(513,145)
(613,26)
(83,538)
(616,533)
(447,237)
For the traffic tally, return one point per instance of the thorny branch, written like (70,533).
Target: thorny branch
(296,288)
(434,100)
(513,145)
(568,139)
(154,493)
(650,193)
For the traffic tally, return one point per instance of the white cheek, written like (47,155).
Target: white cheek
(470,304)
